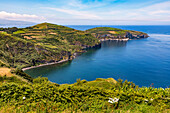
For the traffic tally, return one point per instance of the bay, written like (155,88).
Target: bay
(143,61)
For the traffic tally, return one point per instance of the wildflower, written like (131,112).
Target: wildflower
(24,98)
(146,100)
(151,99)
(111,100)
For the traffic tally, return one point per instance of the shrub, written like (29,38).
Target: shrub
(44,96)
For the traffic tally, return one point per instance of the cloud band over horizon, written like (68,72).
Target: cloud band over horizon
(89,12)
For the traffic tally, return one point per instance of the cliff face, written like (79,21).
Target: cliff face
(16,52)
(136,36)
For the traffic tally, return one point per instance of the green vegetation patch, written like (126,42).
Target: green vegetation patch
(42,43)
(45,96)
(112,32)
(18,32)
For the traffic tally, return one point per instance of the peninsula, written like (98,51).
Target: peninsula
(45,43)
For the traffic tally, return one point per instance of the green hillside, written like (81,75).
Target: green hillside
(48,43)
(55,36)
(115,33)
(42,43)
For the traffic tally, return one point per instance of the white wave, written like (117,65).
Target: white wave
(160,35)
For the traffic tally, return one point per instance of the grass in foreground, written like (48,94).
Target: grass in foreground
(82,96)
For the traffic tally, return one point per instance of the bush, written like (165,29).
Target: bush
(40,80)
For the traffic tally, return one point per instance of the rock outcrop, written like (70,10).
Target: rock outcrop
(136,36)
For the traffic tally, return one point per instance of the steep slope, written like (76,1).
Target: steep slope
(42,43)
(17,52)
(115,34)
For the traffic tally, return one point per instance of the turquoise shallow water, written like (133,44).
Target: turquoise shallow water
(144,61)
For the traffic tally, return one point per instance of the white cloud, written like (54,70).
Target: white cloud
(160,12)
(76,3)
(89,5)
(156,12)
(20,17)
(77,14)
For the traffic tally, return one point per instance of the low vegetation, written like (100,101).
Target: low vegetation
(83,96)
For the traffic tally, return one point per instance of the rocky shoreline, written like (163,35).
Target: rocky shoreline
(123,39)
(61,61)
(126,37)
(83,48)
(65,60)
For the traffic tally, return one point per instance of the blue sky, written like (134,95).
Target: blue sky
(88,12)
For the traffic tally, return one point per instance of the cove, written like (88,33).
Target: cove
(144,62)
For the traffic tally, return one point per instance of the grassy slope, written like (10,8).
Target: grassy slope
(112,31)
(82,96)
(41,43)
(56,36)
(17,52)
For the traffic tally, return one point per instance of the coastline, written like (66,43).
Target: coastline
(74,55)
(41,65)
(123,39)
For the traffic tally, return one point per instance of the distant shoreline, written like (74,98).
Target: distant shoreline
(123,39)
(46,64)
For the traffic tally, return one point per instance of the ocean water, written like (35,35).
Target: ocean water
(143,61)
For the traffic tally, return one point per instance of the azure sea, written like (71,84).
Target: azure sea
(144,61)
